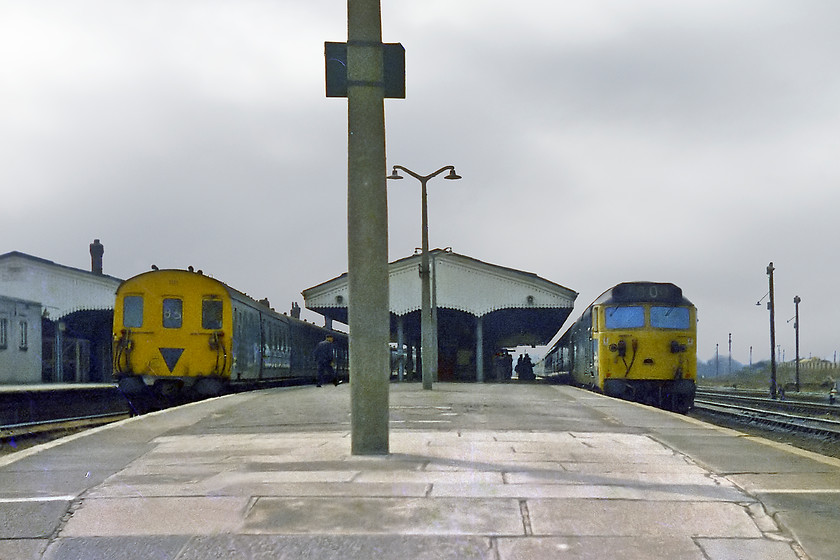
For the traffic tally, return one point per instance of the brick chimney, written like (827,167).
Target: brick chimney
(96,252)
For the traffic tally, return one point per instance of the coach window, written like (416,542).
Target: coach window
(4,332)
(670,318)
(172,313)
(211,314)
(625,317)
(133,312)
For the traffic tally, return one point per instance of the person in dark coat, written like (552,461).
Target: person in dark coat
(324,356)
(527,372)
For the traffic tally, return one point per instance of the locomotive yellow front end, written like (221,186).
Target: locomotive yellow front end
(172,333)
(647,352)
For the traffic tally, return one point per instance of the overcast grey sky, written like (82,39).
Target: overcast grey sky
(599,141)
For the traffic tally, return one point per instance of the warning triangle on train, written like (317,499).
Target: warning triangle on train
(171,356)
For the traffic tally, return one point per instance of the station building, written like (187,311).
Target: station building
(481,310)
(58,319)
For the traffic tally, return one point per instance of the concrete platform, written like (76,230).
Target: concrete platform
(475,471)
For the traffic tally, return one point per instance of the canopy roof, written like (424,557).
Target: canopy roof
(522,301)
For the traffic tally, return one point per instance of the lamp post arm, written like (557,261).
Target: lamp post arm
(425,177)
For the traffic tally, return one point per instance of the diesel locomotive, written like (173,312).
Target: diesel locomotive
(180,333)
(637,341)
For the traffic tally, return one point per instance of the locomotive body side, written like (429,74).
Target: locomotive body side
(261,341)
(578,352)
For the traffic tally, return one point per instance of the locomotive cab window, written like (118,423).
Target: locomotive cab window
(624,317)
(670,318)
(211,314)
(133,312)
(173,315)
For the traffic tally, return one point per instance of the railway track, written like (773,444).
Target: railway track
(17,437)
(39,413)
(59,424)
(795,415)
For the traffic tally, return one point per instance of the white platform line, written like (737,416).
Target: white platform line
(37,499)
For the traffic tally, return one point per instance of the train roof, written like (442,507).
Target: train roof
(643,292)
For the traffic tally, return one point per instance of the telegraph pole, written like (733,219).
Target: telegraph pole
(796,301)
(771,307)
(729,370)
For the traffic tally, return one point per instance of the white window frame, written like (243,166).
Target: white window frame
(24,335)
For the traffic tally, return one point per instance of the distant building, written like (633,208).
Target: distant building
(20,341)
(815,363)
(75,310)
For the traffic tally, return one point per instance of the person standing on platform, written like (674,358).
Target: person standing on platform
(324,356)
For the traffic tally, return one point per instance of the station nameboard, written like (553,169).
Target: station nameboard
(393,59)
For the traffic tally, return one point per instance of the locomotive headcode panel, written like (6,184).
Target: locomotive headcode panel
(646,291)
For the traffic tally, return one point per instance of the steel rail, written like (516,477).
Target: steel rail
(55,424)
(806,404)
(807,424)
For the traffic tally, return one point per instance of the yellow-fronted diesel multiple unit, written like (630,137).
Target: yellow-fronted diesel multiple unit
(178,331)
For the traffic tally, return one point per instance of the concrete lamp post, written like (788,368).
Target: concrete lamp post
(428,330)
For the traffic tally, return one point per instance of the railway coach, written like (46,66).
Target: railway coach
(637,341)
(181,333)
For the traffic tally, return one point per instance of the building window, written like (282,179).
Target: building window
(133,312)
(24,335)
(4,333)
(173,315)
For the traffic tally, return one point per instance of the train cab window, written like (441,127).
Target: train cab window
(211,314)
(173,315)
(133,312)
(670,318)
(625,317)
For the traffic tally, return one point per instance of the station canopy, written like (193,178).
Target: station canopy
(515,307)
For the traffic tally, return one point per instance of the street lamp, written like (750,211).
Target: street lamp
(428,334)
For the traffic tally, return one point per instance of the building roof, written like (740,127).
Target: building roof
(60,289)
(521,300)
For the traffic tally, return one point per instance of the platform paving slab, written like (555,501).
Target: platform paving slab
(402,516)
(747,549)
(156,516)
(22,549)
(31,519)
(119,548)
(638,548)
(475,471)
(637,518)
(812,519)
